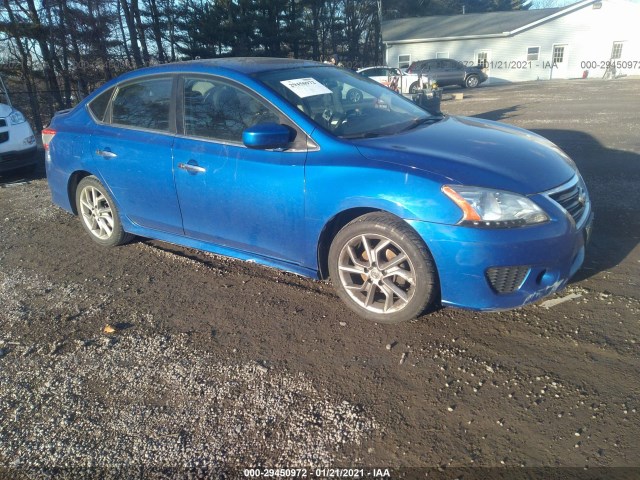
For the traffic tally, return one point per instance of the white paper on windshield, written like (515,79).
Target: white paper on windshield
(306,87)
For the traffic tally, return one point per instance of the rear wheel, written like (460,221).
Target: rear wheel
(98,213)
(382,269)
(472,81)
(414,88)
(354,95)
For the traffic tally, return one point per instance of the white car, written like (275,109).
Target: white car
(395,78)
(17,143)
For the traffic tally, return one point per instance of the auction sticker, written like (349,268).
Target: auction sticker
(306,87)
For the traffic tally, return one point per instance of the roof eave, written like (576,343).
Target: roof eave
(553,16)
(440,39)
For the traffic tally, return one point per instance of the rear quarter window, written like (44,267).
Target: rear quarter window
(98,105)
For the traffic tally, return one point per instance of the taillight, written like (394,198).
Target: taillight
(47,136)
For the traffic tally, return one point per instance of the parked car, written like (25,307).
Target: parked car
(393,77)
(17,143)
(265,159)
(446,72)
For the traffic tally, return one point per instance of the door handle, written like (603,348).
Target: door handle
(191,168)
(106,153)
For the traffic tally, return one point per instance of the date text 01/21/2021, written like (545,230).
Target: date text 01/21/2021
(510,64)
(317,473)
(528,64)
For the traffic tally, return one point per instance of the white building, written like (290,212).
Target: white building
(568,42)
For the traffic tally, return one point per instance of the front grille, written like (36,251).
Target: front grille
(3,122)
(573,199)
(4,136)
(507,279)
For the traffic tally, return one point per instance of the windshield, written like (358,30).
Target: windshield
(344,103)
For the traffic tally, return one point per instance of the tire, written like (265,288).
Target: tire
(366,273)
(354,95)
(98,214)
(413,88)
(472,81)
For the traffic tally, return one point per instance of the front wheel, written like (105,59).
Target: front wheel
(382,269)
(414,88)
(99,215)
(472,81)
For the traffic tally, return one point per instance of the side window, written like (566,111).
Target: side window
(98,105)
(219,111)
(143,104)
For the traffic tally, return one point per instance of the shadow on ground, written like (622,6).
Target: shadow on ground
(612,177)
(499,114)
(24,174)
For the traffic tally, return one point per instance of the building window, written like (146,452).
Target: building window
(404,61)
(533,53)
(483,59)
(558,54)
(442,55)
(616,51)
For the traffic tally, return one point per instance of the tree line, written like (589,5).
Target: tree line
(54,52)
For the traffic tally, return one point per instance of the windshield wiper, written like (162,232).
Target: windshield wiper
(422,121)
(363,135)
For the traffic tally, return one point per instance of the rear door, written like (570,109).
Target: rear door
(452,72)
(131,150)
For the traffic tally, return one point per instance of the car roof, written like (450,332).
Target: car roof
(436,60)
(246,65)
(220,66)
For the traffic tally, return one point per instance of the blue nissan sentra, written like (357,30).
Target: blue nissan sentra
(315,170)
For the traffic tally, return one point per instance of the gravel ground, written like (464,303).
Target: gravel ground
(216,364)
(117,400)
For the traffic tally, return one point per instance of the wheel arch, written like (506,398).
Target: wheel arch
(330,230)
(335,224)
(72,185)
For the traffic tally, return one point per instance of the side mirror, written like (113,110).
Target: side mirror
(266,135)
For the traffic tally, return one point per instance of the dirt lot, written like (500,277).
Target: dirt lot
(222,365)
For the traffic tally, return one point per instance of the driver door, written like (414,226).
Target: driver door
(246,199)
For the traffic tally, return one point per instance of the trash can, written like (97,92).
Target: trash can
(429,100)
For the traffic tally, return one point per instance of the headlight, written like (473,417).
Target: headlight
(16,117)
(484,207)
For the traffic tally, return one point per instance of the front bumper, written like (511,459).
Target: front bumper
(547,256)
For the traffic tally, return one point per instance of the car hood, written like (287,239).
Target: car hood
(476,152)
(5,110)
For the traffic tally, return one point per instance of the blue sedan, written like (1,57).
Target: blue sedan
(270,160)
